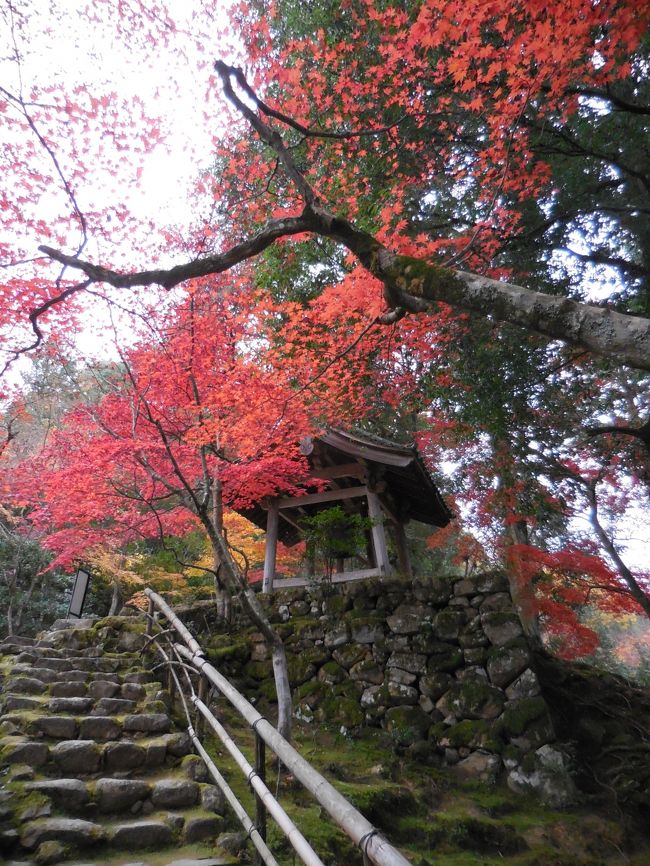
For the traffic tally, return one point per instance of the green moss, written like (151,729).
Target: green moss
(518,715)
(232,652)
(340,710)
(259,670)
(300,669)
(121,623)
(425,280)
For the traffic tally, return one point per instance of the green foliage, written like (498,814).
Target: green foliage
(30,597)
(334,534)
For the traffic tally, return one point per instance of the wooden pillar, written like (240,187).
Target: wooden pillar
(403,556)
(272,519)
(378,535)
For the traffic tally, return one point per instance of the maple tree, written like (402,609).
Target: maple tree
(378,194)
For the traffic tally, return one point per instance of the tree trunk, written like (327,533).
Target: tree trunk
(223,598)
(117,599)
(523,594)
(251,606)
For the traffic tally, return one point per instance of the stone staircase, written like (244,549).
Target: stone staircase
(91,769)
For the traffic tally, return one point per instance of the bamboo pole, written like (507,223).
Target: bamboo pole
(284,822)
(237,807)
(357,827)
(182,629)
(373,846)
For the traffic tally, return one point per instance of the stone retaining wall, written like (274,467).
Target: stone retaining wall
(441,664)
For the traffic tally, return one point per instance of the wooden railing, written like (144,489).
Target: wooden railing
(182,655)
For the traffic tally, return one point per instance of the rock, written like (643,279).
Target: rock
(76,706)
(545,774)
(151,723)
(414,663)
(137,835)
(71,793)
(49,852)
(76,756)
(16,702)
(18,751)
(492,582)
(399,694)
(68,690)
(434,685)
(395,675)
(103,689)
(366,632)
(123,755)
(337,636)
(496,601)
(408,619)
(178,744)
(73,831)
(175,794)
(517,715)
(232,843)
(132,691)
(118,795)
(25,686)
(465,586)
(113,707)
(501,626)
(57,727)
(372,697)
(349,655)
(525,686)
(475,655)
(483,766)
(506,663)
(99,728)
(448,623)
(20,773)
(472,699)
(202,827)
(367,671)
(444,657)
(332,673)
(194,768)
(212,799)
(407,724)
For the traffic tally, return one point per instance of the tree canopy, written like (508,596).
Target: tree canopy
(430,219)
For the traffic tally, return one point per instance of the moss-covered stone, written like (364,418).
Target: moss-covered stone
(350,654)
(300,669)
(406,724)
(519,714)
(473,698)
(338,710)
(332,673)
(444,658)
(259,670)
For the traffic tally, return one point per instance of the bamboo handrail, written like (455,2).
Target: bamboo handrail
(374,847)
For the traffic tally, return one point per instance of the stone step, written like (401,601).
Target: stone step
(90,757)
(89,660)
(160,829)
(92,727)
(135,796)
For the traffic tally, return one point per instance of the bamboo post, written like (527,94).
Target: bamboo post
(378,535)
(401,543)
(150,613)
(260,769)
(272,520)
(202,694)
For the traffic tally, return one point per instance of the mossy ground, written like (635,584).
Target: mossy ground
(427,812)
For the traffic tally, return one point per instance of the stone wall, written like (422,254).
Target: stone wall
(441,664)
